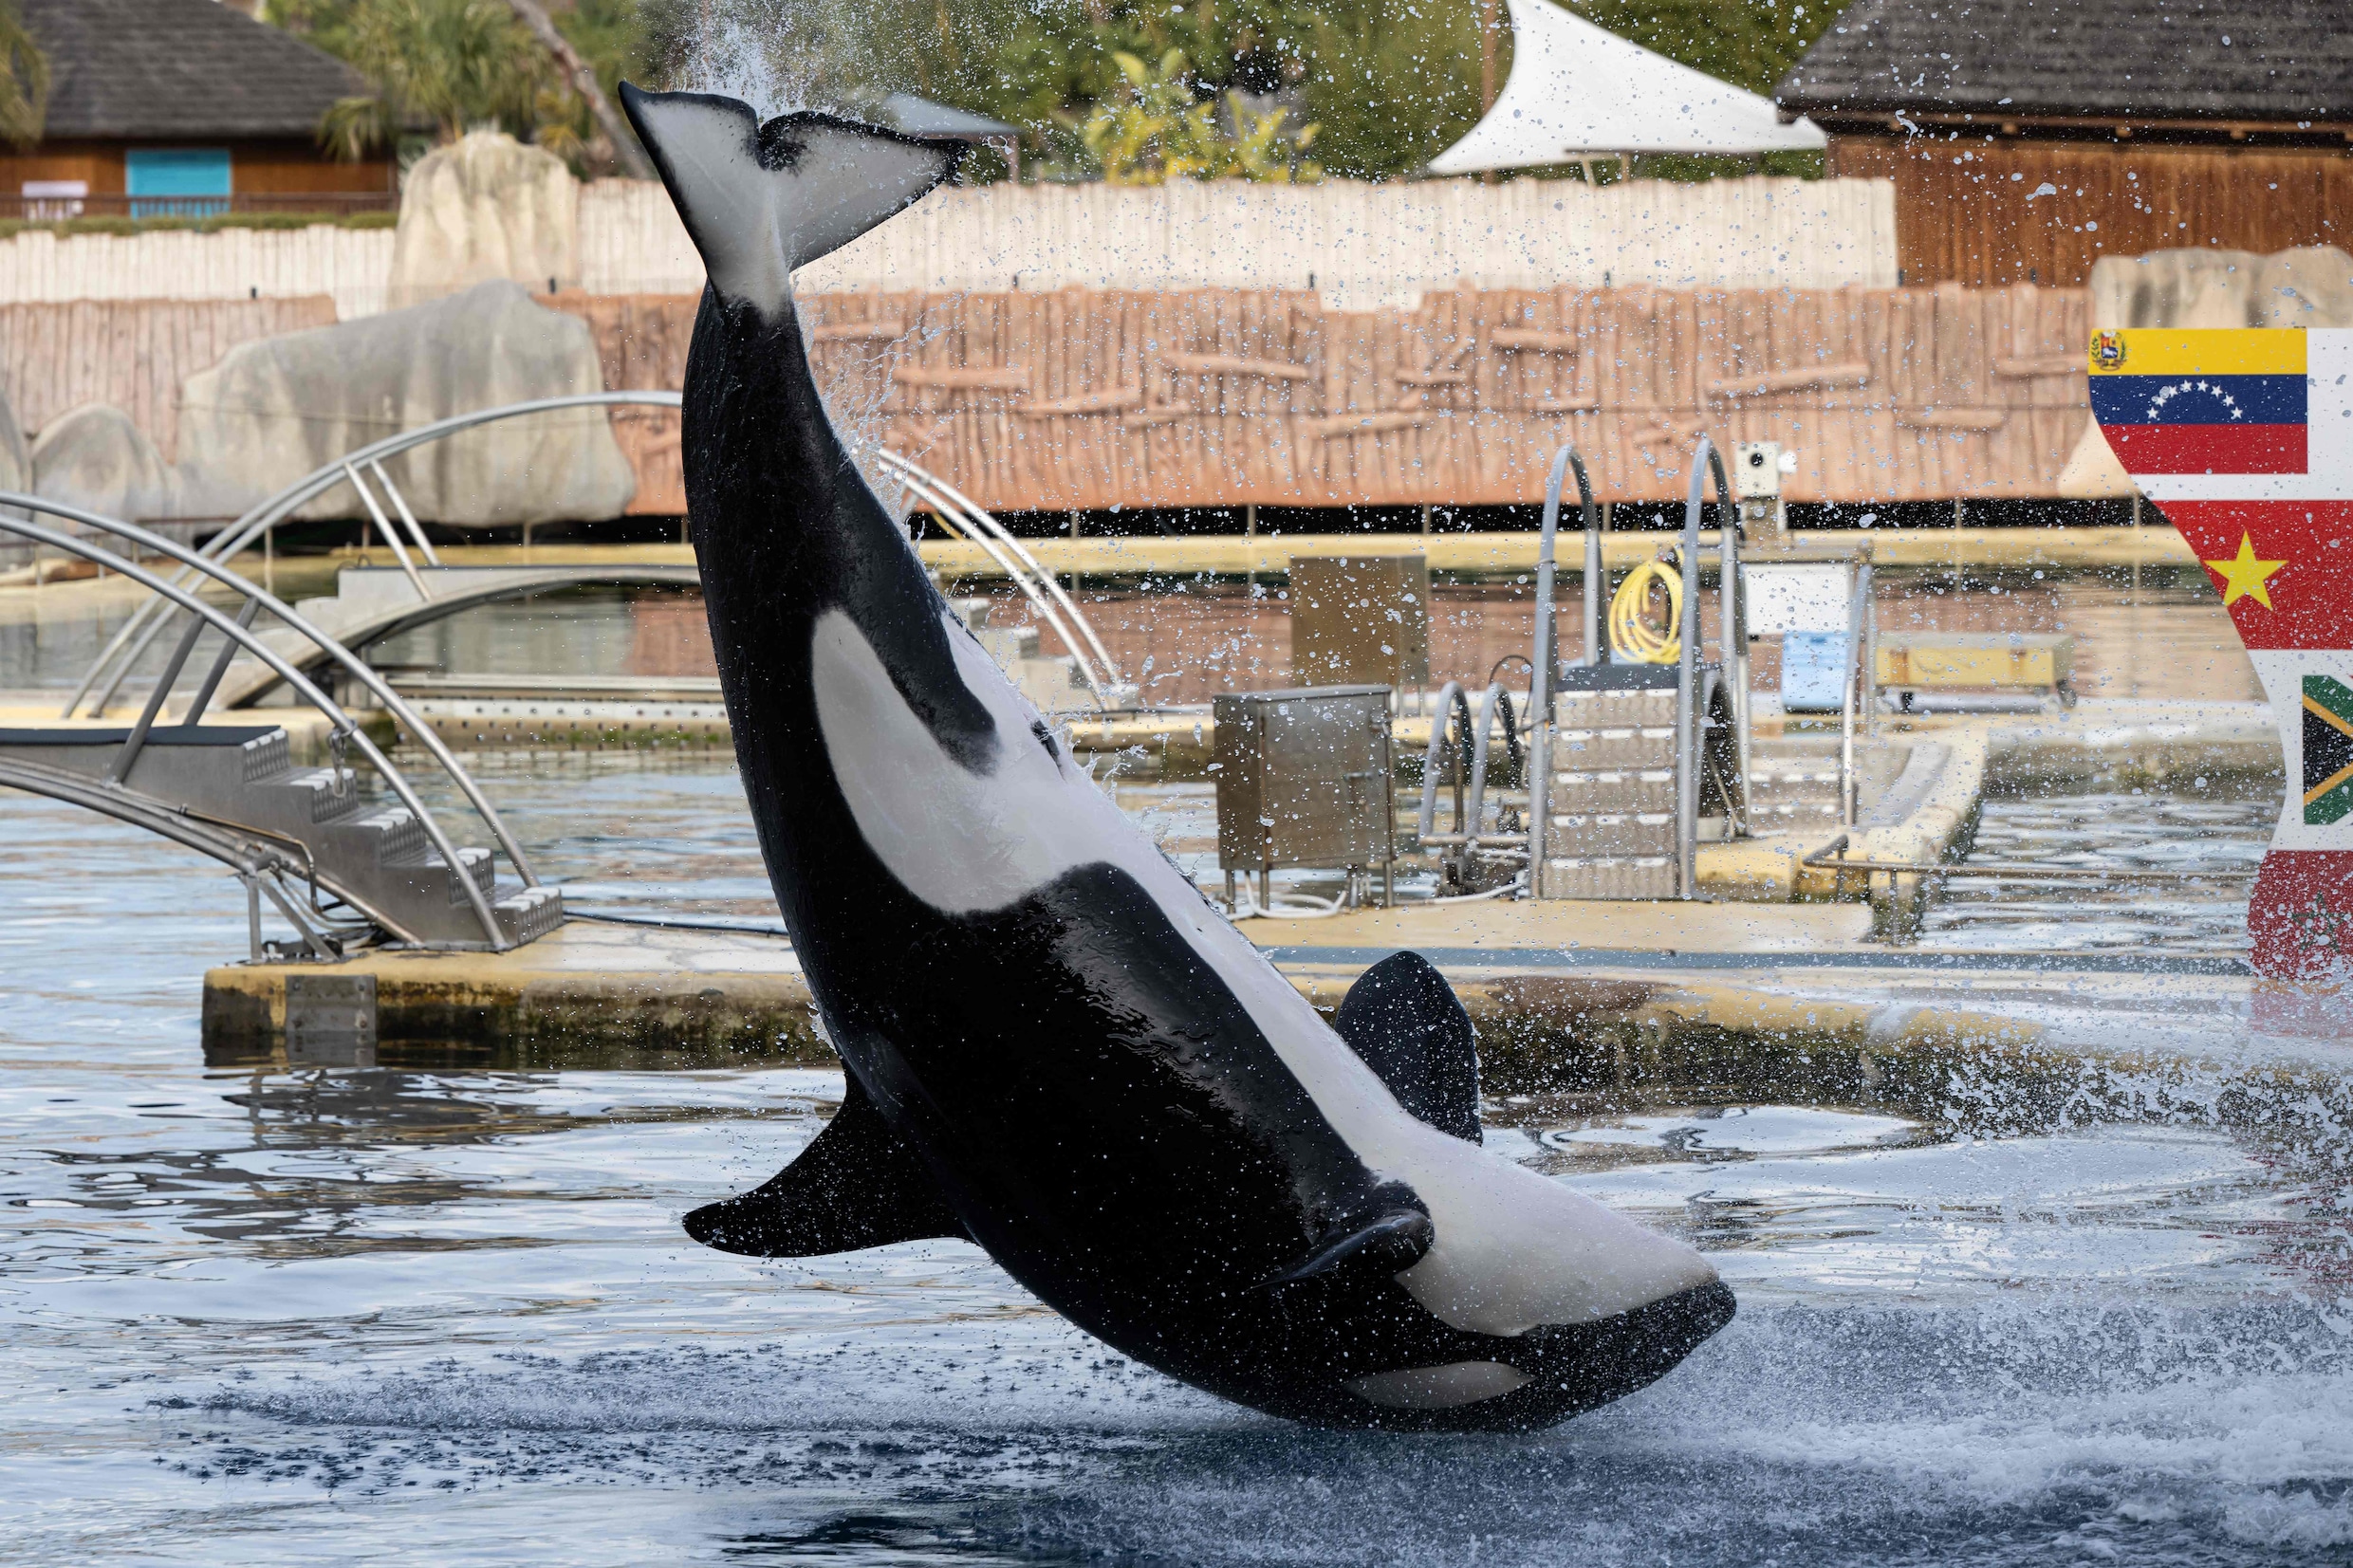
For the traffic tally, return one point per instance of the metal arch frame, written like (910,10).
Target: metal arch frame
(225,544)
(144,625)
(959,510)
(345,725)
(447,605)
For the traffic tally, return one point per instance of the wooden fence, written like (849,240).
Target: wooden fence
(131,353)
(1096,399)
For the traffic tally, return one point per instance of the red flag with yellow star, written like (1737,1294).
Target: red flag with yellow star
(2201,420)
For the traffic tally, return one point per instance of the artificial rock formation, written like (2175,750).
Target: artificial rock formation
(94,457)
(2311,285)
(276,409)
(485,206)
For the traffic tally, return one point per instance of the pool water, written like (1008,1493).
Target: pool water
(449,1318)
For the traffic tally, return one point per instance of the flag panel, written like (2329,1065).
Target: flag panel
(2307,598)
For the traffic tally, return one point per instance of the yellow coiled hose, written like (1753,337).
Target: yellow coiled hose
(1630,633)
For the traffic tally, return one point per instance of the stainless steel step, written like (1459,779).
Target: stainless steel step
(1579,794)
(1609,877)
(1592,750)
(1608,835)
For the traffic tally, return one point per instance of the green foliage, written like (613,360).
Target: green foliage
(1159,130)
(23,80)
(1049,65)
(1750,43)
(456,65)
(1387,83)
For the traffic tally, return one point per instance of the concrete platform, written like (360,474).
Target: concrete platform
(1620,1004)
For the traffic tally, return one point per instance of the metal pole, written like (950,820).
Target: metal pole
(1250,548)
(1540,682)
(383,526)
(1870,644)
(136,741)
(193,713)
(1597,584)
(1850,695)
(1732,630)
(1547,653)
(1687,688)
(400,505)
(252,914)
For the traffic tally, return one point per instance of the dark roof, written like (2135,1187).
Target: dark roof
(2273,60)
(173,68)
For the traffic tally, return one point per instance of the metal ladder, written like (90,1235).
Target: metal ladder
(1625,758)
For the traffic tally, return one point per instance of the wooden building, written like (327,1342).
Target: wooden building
(183,107)
(2028,139)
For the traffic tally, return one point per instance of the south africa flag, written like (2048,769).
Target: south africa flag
(2328,750)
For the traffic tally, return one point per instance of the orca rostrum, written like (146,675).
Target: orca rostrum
(1055,1045)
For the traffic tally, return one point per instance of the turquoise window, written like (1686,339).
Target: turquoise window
(191,181)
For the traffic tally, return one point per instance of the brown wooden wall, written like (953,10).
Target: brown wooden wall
(255,168)
(1963,213)
(1218,398)
(131,353)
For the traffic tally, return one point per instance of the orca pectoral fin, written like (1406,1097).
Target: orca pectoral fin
(1405,1020)
(1388,1243)
(855,1185)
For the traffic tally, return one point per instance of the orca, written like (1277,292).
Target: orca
(1053,1044)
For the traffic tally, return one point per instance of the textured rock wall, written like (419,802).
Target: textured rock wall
(486,207)
(94,457)
(2311,285)
(275,410)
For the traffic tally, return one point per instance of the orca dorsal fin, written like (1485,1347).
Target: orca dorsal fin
(759,200)
(855,1185)
(1405,1020)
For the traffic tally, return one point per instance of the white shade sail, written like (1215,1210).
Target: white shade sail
(1577,91)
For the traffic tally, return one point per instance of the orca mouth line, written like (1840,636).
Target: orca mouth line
(1569,1367)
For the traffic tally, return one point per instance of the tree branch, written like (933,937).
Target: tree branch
(583,78)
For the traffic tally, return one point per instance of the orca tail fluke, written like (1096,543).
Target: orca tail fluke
(759,200)
(855,1185)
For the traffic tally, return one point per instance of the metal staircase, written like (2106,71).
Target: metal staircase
(240,780)
(344,865)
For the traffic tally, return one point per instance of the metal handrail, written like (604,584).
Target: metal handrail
(1427,821)
(1687,717)
(268,513)
(345,725)
(1549,645)
(906,466)
(953,518)
(358,667)
(1493,699)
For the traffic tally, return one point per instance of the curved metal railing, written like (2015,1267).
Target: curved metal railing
(345,727)
(966,518)
(123,649)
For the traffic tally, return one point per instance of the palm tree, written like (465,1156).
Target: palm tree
(23,80)
(453,65)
